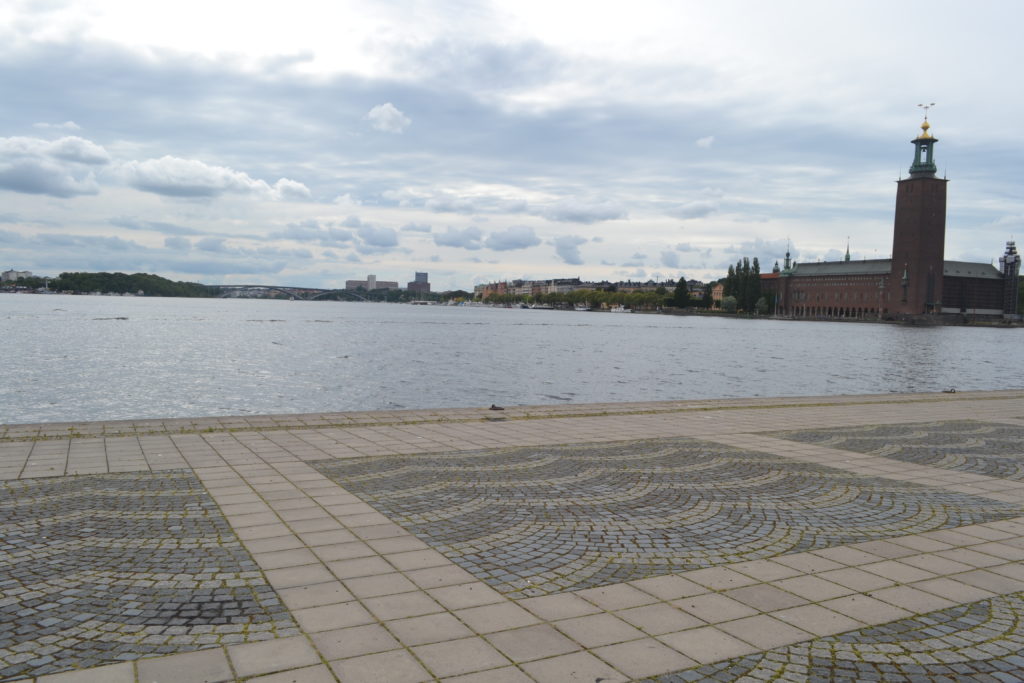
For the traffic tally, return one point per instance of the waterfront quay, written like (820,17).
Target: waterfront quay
(840,538)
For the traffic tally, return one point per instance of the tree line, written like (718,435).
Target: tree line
(122,283)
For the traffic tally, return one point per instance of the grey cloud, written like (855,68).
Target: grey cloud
(568,249)
(312,231)
(416,227)
(694,209)
(378,237)
(468,238)
(353,258)
(670,259)
(638,256)
(352,222)
(156,226)
(577,211)
(514,237)
(214,244)
(177,243)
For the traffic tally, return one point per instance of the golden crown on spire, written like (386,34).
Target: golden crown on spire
(925,135)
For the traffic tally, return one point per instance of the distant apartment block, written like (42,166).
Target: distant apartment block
(564,285)
(14,275)
(370,283)
(419,284)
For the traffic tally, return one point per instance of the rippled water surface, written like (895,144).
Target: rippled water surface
(101,358)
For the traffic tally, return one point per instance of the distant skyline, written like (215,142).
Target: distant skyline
(299,144)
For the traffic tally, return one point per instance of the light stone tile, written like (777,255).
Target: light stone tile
(659,619)
(576,666)
(598,629)
(642,658)
(499,617)
(397,666)
(817,620)
(719,578)
(329,617)
(714,608)
(354,641)
(401,605)
(911,599)
(707,644)
(615,597)
(430,628)
(466,595)
(813,588)
(898,571)
(532,642)
(309,674)
(268,656)
(669,587)
(765,632)
(866,609)
(383,584)
(456,657)
(314,595)
(559,606)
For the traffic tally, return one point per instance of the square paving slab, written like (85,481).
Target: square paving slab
(105,568)
(993,450)
(541,520)
(980,641)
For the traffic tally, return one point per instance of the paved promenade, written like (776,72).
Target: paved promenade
(843,538)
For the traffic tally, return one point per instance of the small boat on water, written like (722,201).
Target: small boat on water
(581,307)
(619,309)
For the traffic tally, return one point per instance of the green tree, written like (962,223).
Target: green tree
(681,295)
(729,304)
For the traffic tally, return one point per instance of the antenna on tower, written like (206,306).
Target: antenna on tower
(926,107)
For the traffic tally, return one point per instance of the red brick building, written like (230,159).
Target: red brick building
(916,281)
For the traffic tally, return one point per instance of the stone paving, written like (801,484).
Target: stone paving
(535,521)
(662,541)
(963,445)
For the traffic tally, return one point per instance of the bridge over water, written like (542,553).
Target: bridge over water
(296,293)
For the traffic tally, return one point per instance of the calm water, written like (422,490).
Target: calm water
(96,358)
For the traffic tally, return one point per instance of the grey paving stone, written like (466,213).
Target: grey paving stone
(98,569)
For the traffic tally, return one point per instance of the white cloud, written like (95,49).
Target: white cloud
(705,142)
(568,249)
(670,259)
(176,177)
(514,237)
(67,125)
(387,118)
(468,238)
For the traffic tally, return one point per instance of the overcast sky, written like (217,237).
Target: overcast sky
(306,143)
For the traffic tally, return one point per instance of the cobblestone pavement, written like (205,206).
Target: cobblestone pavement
(112,567)
(980,641)
(536,521)
(982,448)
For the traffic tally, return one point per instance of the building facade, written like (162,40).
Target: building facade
(917,281)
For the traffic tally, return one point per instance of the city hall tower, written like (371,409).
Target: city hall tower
(919,234)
